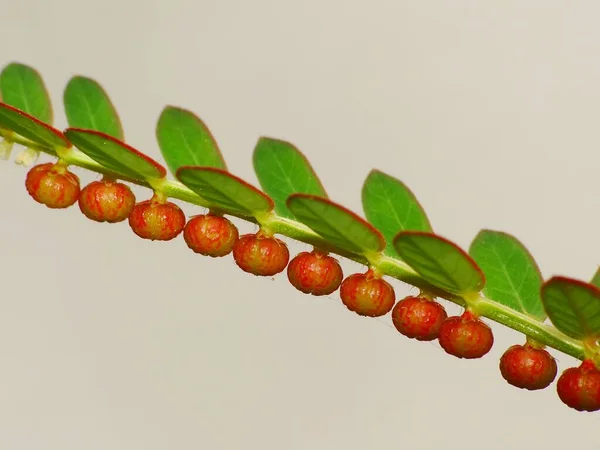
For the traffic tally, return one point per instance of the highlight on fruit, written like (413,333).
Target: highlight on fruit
(495,280)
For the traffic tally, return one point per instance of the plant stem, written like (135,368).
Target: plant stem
(543,333)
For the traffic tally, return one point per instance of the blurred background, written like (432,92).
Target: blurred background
(488,111)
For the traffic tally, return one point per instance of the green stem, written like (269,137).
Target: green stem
(543,333)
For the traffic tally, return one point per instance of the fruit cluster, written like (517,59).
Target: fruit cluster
(527,366)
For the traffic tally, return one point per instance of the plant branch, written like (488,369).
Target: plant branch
(543,333)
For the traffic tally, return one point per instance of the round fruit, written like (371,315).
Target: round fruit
(261,254)
(315,273)
(210,235)
(157,220)
(52,185)
(579,387)
(106,201)
(528,367)
(418,318)
(465,336)
(367,294)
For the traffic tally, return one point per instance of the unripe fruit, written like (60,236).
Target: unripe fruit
(157,220)
(315,273)
(418,318)
(106,201)
(527,367)
(465,336)
(52,185)
(367,294)
(210,235)
(579,387)
(261,254)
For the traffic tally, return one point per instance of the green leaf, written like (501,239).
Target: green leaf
(88,106)
(185,140)
(283,170)
(596,279)
(392,207)
(440,262)
(573,307)
(115,155)
(512,275)
(23,87)
(224,190)
(335,223)
(29,127)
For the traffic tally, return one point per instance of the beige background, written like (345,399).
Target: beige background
(488,110)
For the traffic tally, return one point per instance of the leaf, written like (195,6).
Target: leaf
(391,207)
(596,279)
(573,307)
(115,155)
(335,223)
(88,106)
(23,88)
(439,261)
(185,140)
(283,170)
(225,190)
(512,275)
(31,128)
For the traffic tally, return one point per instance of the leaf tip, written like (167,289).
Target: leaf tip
(18,65)
(271,143)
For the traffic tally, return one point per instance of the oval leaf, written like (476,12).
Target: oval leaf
(88,106)
(440,262)
(283,170)
(512,275)
(23,87)
(31,128)
(335,223)
(392,207)
(224,190)
(596,279)
(185,140)
(573,307)
(115,155)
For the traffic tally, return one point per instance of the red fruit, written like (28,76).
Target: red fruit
(210,235)
(418,318)
(367,294)
(465,336)
(106,201)
(157,220)
(579,387)
(527,367)
(315,273)
(261,254)
(52,185)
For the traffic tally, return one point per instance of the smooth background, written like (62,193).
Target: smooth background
(488,110)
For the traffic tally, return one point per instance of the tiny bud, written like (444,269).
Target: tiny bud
(27,157)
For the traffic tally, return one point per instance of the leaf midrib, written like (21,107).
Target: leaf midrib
(440,267)
(512,285)
(582,321)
